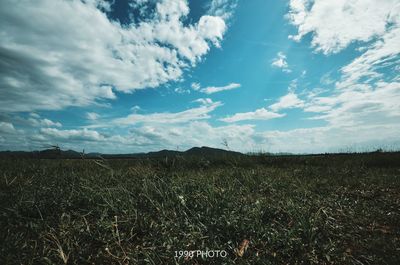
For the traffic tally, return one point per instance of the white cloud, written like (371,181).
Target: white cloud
(360,105)
(335,24)
(213,89)
(152,137)
(327,79)
(383,53)
(195,86)
(222,8)
(280,62)
(364,94)
(199,113)
(149,137)
(6,127)
(363,107)
(136,108)
(289,101)
(34,115)
(92,116)
(259,114)
(58,53)
(204,101)
(331,139)
(49,123)
(79,135)
(39,122)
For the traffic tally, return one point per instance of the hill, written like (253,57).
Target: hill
(203,151)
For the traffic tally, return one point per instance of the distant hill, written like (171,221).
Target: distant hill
(208,151)
(47,153)
(71,154)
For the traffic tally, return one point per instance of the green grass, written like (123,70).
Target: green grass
(339,209)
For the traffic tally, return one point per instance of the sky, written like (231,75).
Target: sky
(128,76)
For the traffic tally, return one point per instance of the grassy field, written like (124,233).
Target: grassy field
(337,209)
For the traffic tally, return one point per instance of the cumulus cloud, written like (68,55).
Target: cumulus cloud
(335,24)
(6,127)
(45,123)
(143,138)
(280,62)
(259,114)
(58,53)
(289,101)
(213,89)
(245,138)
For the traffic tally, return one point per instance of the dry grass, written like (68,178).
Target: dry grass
(261,210)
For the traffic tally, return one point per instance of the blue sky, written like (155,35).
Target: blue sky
(125,76)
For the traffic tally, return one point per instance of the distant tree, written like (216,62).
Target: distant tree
(225,143)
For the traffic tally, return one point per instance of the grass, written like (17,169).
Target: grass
(337,209)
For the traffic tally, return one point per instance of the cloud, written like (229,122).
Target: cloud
(49,123)
(77,135)
(382,54)
(366,93)
(288,101)
(360,105)
(195,86)
(363,106)
(199,113)
(180,90)
(136,108)
(222,8)
(280,62)
(6,127)
(260,114)
(58,53)
(213,89)
(336,24)
(148,137)
(197,133)
(204,101)
(36,121)
(331,139)
(152,137)
(92,116)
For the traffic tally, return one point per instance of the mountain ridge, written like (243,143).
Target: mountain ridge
(58,153)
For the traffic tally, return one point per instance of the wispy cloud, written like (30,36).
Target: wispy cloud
(92,116)
(259,114)
(223,8)
(204,101)
(195,86)
(280,62)
(193,114)
(365,99)
(213,89)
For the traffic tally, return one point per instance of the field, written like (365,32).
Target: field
(332,209)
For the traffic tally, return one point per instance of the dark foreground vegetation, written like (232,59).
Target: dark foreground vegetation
(336,209)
